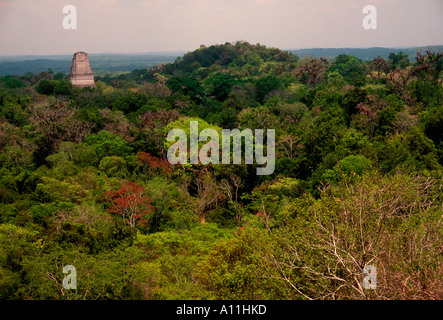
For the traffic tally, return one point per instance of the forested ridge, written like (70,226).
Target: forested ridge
(103,63)
(358,180)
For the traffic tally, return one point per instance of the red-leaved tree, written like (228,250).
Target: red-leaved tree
(131,203)
(153,165)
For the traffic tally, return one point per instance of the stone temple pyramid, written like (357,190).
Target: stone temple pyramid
(81,74)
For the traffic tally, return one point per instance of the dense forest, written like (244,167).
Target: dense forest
(358,180)
(365,54)
(106,63)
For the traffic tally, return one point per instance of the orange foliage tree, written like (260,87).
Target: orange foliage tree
(153,165)
(131,203)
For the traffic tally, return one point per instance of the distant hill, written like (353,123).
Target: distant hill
(364,54)
(227,55)
(100,63)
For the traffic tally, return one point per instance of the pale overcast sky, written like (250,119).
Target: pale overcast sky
(128,26)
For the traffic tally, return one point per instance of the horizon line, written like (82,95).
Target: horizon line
(165,52)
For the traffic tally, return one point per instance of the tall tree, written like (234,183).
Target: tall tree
(131,203)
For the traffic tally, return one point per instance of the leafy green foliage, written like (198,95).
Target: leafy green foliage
(11,83)
(350,68)
(399,60)
(46,87)
(108,144)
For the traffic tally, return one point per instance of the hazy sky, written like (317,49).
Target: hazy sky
(35,26)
